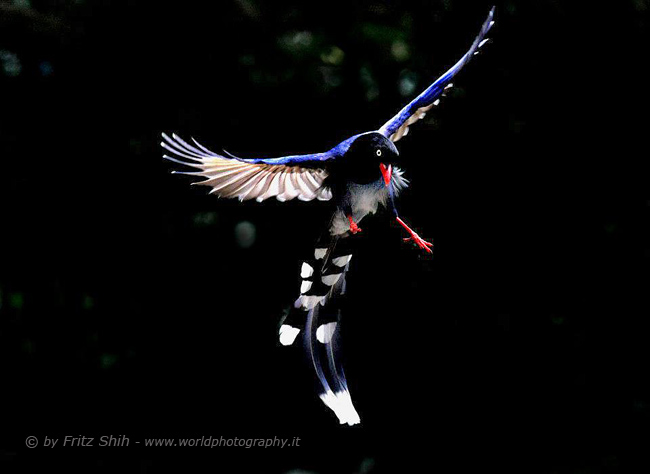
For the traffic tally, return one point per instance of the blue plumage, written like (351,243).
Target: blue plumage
(337,152)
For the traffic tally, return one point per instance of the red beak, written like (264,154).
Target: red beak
(386,172)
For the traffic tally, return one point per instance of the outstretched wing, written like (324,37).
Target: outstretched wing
(290,177)
(398,126)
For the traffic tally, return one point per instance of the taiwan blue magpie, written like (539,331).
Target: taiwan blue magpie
(358,175)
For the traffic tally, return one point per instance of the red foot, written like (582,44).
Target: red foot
(354,228)
(423,244)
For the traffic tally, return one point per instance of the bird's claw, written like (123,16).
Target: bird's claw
(354,228)
(423,244)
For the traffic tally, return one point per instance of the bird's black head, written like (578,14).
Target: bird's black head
(370,157)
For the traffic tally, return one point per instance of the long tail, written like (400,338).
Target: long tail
(317,312)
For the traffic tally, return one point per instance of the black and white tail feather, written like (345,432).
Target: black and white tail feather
(317,313)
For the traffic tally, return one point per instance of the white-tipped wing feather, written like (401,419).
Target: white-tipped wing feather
(398,126)
(232,177)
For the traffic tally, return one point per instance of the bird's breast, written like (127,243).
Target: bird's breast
(363,199)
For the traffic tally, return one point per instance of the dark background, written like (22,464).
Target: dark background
(130,304)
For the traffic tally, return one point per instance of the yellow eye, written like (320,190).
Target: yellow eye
(378,152)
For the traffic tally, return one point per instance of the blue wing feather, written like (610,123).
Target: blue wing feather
(336,152)
(426,99)
(291,159)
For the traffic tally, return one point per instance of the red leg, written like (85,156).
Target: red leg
(423,244)
(354,228)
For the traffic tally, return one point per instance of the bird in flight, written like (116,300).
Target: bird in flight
(358,176)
